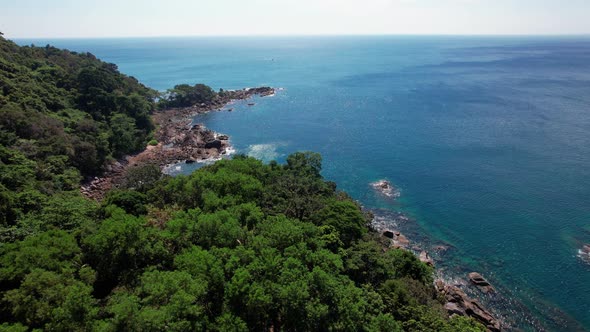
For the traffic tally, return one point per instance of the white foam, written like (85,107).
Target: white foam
(230,150)
(264,152)
(386,188)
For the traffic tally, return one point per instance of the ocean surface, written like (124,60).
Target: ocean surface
(486,138)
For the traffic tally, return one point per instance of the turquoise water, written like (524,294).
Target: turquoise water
(488,140)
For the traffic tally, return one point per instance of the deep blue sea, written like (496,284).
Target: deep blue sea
(487,139)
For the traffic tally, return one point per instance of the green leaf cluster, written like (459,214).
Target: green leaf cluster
(185,95)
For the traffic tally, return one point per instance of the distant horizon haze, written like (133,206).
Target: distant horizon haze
(184,18)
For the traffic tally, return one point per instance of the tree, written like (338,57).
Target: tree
(121,248)
(132,202)
(126,137)
(345,216)
(184,95)
(53,301)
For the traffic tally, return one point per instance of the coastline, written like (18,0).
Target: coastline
(178,141)
(459,299)
(453,277)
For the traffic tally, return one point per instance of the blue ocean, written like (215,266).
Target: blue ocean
(486,138)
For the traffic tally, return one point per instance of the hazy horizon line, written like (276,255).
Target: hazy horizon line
(305,35)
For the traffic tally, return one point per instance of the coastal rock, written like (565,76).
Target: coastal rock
(388,234)
(425,258)
(479,281)
(458,303)
(397,240)
(441,248)
(262,91)
(222,137)
(385,188)
(214,144)
(401,241)
(584,253)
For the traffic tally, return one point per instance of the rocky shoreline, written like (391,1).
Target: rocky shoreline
(178,141)
(457,302)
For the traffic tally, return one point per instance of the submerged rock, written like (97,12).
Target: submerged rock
(441,248)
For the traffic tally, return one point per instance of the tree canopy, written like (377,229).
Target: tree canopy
(211,251)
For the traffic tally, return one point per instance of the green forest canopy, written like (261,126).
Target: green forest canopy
(236,246)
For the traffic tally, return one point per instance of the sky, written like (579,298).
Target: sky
(150,18)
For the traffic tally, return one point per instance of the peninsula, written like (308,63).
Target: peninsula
(175,138)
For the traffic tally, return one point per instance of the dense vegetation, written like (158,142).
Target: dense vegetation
(236,246)
(184,95)
(63,116)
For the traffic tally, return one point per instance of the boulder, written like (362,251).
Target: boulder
(385,188)
(584,253)
(425,258)
(479,281)
(398,240)
(222,137)
(401,241)
(458,303)
(214,144)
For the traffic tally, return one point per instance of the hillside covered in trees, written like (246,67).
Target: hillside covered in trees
(236,246)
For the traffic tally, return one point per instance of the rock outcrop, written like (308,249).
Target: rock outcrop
(213,144)
(388,234)
(458,303)
(385,188)
(584,253)
(425,258)
(179,140)
(398,240)
(479,281)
